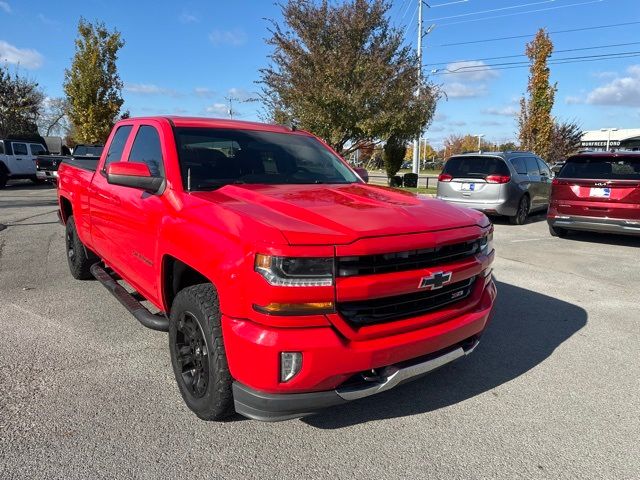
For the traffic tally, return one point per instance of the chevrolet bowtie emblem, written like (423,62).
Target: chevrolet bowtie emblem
(435,280)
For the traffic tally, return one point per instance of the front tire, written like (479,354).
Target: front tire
(79,257)
(522,213)
(197,353)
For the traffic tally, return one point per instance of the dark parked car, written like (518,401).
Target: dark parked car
(498,183)
(598,192)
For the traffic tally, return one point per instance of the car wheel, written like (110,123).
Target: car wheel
(79,258)
(197,353)
(558,231)
(521,214)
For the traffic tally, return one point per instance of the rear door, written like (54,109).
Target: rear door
(20,162)
(601,185)
(473,179)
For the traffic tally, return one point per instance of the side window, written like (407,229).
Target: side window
(519,165)
(532,166)
(117,145)
(146,149)
(544,168)
(20,149)
(1,148)
(37,149)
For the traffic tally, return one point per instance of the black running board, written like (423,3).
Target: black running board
(139,311)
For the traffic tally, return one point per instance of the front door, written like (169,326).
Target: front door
(20,162)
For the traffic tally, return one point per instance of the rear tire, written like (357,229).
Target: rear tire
(38,181)
(558,231)
(520,218)
(79,257)
(197,353)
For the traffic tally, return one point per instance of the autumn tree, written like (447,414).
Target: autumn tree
(535,121)
(20,104)
(92,84)
(455,144)
(565,140)
(341,71)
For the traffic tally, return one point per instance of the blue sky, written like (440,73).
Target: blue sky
(186,57)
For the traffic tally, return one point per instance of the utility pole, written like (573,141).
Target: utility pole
(416,142)
(230,111)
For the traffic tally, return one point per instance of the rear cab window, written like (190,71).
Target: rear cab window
(37,149)
(475,167)
(602,167)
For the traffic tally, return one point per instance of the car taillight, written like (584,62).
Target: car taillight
(37,163)
(498,178)
(445,177)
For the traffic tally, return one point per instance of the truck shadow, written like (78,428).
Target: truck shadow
(527,327)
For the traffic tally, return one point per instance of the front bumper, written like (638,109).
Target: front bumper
(503,207)
(332,364)
(596,224)
(276,407)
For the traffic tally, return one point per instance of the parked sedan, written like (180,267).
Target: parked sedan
(513,184)
(598,192)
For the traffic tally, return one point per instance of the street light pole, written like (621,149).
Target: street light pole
(479,137)
(609,130)
(416,142)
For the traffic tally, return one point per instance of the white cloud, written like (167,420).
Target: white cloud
(471,71)
(604,75)
(186,17)
(440,117)
(621,91)
(148,89)
(24,57)
(218,109)
(234,38)
(461,90)
(240,94)
(204,92)
(457,123)
(491,123)
(5,6)
(508,111)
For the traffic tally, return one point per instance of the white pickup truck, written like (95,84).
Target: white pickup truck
(17,160)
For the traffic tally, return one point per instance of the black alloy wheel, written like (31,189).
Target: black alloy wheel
(191,354)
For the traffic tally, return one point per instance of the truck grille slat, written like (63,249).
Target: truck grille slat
(368,312)
(404,261)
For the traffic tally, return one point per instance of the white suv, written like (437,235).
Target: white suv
(17,160)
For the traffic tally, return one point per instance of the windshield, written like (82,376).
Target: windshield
(602,167)
(88,151)
(475,167)
(211,158)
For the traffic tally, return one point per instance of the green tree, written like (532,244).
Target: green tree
(507,146)
(565,140)
(92,84)
(393,155)
(342,72)
(535,121)
(455,144)
(20,104)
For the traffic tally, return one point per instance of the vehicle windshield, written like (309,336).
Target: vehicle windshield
(475,167)
(88,150)
(211,158)
(602,167)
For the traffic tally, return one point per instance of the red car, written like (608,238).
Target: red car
(597,192)
(286,283)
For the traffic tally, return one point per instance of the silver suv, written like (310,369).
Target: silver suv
(497,183)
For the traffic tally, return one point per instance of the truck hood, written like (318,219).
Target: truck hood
(340,214)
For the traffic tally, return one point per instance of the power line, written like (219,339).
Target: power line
(496,39)
(507,65)
(493,10)
(521,13)
(524,55)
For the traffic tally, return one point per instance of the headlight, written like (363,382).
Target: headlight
(486,244)
(295,271)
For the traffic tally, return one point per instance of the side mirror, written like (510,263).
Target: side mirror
(134,175)
(363,173)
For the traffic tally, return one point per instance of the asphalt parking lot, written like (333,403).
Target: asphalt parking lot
(551,392)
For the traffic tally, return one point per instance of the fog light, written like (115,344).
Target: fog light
(290,365)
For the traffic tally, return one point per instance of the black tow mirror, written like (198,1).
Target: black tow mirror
(134,175)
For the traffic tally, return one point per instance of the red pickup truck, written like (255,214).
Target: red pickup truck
(285,282)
